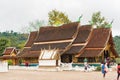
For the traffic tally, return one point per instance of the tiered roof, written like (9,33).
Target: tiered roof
(26,51)
(82,41)
(99,38)
(55,37)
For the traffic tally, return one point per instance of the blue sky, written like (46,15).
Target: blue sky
(16,14)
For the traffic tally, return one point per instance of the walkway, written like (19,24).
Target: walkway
(63,75)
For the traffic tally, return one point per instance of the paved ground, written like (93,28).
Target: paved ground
(64,75)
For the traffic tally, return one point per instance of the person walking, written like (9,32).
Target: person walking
(103,69)
(118,71)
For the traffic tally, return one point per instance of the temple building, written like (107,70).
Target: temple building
(69,43)
(10,53)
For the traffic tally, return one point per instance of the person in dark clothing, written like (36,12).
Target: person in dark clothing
(118,71)
(26,64)
(108,62)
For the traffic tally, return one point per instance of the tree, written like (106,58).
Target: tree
(15,39)
(21,45)
(34,26)
(3,44)
(57,18)
(100,21)
(117,43)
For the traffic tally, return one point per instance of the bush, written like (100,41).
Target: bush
(20,61)
(98,68)
(10,62)
(117,60)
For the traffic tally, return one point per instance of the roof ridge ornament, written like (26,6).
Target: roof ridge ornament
(80,17)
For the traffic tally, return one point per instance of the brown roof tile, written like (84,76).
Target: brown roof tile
(31,54)
(98,38)
(8,50)
(74,50)
(31,39)
(63,32)
(24,51)
(38,47)
(90,53)
(83,34)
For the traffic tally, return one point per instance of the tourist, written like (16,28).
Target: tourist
(26,64)
(118,71)
(86,66)
(104,69)
(108,62)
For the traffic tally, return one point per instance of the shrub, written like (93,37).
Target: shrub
(98,68)
(20,61)
(10,62)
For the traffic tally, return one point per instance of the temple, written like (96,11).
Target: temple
(10,53)
(69,43)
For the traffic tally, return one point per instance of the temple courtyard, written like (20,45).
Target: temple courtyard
(54,75)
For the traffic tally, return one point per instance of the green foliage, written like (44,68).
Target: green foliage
(4,42)
(10,62)
(98,68)
(100,21)
(117,60)
(20,61)
(57,18)
(117,43)
(21,45)
(12,39)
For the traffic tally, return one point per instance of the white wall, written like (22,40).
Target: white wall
(3,66)
(47,62)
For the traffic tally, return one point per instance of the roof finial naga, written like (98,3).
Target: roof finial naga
(80,18)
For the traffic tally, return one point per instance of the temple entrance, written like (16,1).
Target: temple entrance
(106,54)
(65,58)
(49,58)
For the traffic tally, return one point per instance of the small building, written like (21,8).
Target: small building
(10,54)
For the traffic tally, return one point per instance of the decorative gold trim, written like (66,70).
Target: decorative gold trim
(27,47)
(60,41)
(79,44)
(93,48)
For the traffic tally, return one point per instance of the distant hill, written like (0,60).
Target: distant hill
(16,39)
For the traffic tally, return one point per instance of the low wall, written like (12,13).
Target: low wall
(47,62)
(82,64)
(3,66)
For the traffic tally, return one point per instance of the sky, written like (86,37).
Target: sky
(17,14)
